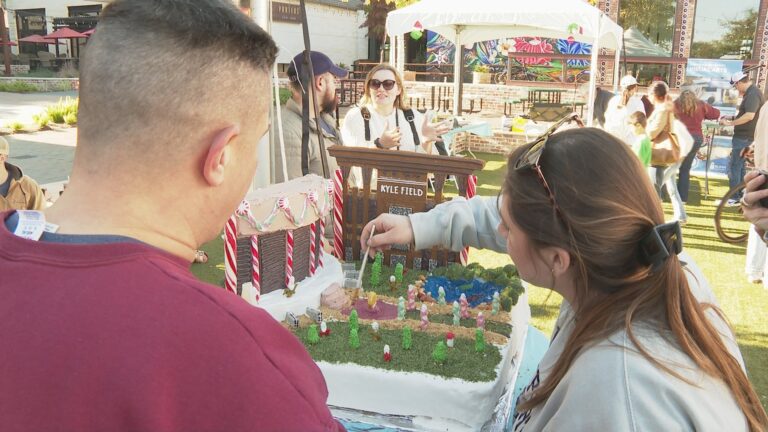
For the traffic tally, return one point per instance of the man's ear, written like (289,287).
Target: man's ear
(319,82)
(219,155)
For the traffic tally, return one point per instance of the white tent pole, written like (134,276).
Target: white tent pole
(617,65)
(458,59)
(593,74)
(279,118)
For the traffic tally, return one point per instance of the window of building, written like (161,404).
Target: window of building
(655,19)
(724,29)
(30,22)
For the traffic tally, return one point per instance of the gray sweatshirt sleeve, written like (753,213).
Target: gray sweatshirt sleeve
(458,223)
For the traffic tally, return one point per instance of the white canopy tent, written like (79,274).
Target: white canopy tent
(468,21)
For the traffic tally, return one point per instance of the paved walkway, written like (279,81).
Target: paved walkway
(44,156)
(22,106)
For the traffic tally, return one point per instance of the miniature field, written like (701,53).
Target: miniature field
(461,362)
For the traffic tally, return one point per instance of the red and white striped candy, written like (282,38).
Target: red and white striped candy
(256,267)
(230,255)
(338,205)
(312,240)
(321,250)
(288,257)
(471,191)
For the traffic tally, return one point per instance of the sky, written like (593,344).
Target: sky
(709,12)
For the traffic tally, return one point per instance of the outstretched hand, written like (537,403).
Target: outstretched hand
(433,130)
(390,230)
(754,212)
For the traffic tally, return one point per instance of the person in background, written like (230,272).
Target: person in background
(692,112)
(658,129)
(757,252)
(103,326)
(602,97)
(639,343)
(642,144)
(384,120)
(17,191)
(620,107)
(326,75)
(743,128)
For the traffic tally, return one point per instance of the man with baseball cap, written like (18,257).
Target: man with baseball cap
(325,84)
(743,127)
(17,191)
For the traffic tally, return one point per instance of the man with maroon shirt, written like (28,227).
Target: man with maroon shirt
(103,327)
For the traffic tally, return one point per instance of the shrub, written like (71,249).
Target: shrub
(41,120)
(15,126)
(18,87)
(70,118)
(61,109)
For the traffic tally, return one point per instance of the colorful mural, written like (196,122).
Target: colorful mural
(498,53)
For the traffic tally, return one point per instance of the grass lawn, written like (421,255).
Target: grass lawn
(745,304)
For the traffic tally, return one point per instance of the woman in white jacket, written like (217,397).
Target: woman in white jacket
(639,344)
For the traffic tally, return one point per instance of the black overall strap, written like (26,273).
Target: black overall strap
(409,116)
(366,122)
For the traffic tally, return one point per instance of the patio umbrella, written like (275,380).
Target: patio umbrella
(89,32)
(36,38)
(64,33)
(9,43)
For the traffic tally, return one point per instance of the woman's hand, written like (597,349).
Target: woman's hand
(433,130)
(390,138)
(754,212)
(390,229)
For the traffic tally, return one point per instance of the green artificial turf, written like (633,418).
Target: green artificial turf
(745,304)
(462,362)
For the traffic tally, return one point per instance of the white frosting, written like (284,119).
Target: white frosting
(307,293)
(432,402)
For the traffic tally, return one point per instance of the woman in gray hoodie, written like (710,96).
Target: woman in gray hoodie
(640,344)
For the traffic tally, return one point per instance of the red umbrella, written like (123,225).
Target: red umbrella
(89,32)
(64,33)
(36,38)
(9,43)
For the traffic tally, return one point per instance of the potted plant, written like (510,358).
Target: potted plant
(481,74)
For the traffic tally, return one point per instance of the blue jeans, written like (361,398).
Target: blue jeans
(665,176)
(736,170)
(684,176)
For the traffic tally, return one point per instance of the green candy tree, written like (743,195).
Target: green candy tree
(479,340)
(312,336)
(440,352)
(354,339)
(376,271)
(399,273)
(353,320)
(407,338)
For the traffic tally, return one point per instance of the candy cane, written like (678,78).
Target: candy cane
(288,257)
(321,250)
(312,240)
(471,190)
(230,252)
(256,268)
(338,206)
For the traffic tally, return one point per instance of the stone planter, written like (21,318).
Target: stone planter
(481,78)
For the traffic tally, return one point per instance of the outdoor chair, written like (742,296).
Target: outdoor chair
(46,58)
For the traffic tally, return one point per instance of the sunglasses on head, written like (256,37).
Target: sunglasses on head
(530,158)
(388,84)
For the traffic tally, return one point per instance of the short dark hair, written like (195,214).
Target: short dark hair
(155,67)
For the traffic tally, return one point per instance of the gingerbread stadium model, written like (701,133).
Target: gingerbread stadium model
(424,342)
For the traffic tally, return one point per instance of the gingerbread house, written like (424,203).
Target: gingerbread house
(276,237)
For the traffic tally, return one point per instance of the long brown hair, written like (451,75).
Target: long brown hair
(686,103)
(626,94)
(399,101)
(602,230)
